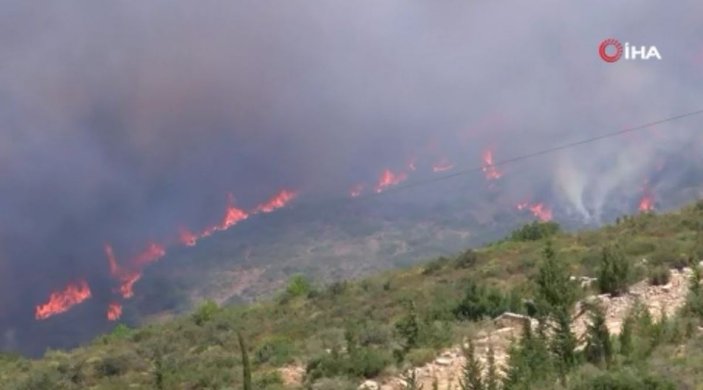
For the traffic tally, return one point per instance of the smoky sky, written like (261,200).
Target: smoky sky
(121,121)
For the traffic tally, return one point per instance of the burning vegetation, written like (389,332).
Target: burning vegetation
(63,300)
(127,274)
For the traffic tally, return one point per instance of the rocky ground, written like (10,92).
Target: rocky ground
(445,370)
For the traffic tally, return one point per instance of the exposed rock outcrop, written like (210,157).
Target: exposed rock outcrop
(446,369)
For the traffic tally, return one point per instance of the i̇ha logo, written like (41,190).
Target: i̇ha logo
(611,50)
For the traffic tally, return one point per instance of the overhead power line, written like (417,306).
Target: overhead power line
(534,154)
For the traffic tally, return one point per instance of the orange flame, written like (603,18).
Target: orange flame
(127,278)
(647,200)
(187,238)
(114,311)
(208,232)
(442,165)
(489,169)
(112,261)
(356,191)
(389,179)
(62,301)
(539,210)
(127,281)
(278,201)
(233,215)
(152,253)
(411,165)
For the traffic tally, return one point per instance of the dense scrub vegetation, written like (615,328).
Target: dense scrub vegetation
(350,330)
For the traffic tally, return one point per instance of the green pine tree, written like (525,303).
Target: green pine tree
(492,377)
(626,342)
(159,372)
(411,381)
(529,360)
(555,290)
(472,371)
(409,327)
(599,349)
(694,299)
(613,273)
(564,342)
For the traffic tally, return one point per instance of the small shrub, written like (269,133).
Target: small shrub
(364,362)
(298,285)
(467,259)
(435,334)
(421,356)
(479,302)
(277,351)
(659,275)
(639,247)
(113,365)
(206,312)
(373,333)
(434,266)
(337,288)
(535,231)
(334,384)
(267,379)
(327,366)
(369,362)
(40,381)
(680,262)
(625,380)
(120,331)
(387,285)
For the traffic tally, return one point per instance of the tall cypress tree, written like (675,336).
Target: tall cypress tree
(246,367)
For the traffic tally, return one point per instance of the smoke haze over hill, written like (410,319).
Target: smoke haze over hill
(122,122)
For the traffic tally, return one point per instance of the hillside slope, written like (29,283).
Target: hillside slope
(334,336)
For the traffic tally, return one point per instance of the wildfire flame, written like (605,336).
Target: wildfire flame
(278,201)
(489,169)
(114,311)
(442,165)
(647,200)
(233,215)
(61,301)
(187,238)
(127,281)
(152,253)
(356,191)
(539,210)
(389,179)
(127,278)
(128,275)
(411,165)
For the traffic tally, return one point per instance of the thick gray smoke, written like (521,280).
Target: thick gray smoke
(121,121)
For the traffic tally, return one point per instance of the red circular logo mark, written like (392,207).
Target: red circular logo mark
(604,46)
